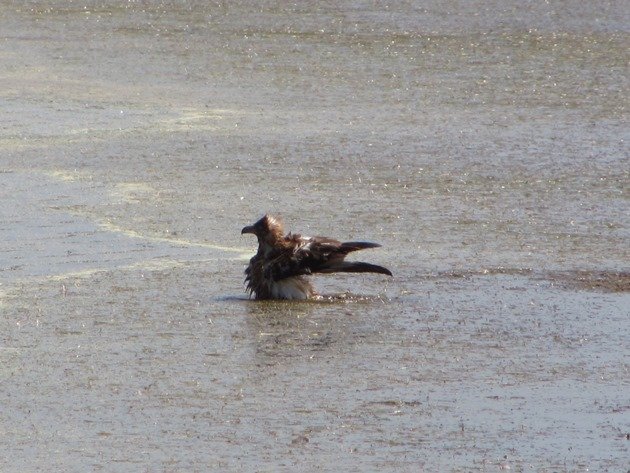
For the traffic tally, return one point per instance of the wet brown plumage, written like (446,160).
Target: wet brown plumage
(279,268)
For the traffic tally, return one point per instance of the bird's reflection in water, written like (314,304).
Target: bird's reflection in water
(326,325)
(289,329)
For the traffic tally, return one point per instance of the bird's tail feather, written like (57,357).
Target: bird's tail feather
(354,267)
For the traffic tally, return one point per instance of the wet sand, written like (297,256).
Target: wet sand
(484,145)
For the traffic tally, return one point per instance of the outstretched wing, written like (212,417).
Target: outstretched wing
(319,255)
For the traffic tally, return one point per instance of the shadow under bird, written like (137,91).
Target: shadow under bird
(278,269)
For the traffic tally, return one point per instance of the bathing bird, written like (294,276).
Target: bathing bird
(279,268)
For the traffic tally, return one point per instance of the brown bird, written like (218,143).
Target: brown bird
(278,269)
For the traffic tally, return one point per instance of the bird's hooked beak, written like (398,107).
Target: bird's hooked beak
(248,229)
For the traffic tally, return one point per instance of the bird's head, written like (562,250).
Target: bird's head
(267,229)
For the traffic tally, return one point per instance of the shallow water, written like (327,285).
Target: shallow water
(484,145)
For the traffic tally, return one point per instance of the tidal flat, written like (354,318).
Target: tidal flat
(484,145)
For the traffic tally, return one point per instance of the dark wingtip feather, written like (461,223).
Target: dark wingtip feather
(381,270)
(358,245)
(355,267)
(387,271)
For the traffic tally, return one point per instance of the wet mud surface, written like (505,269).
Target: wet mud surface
(475,373)
(484,146)
(597,281)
